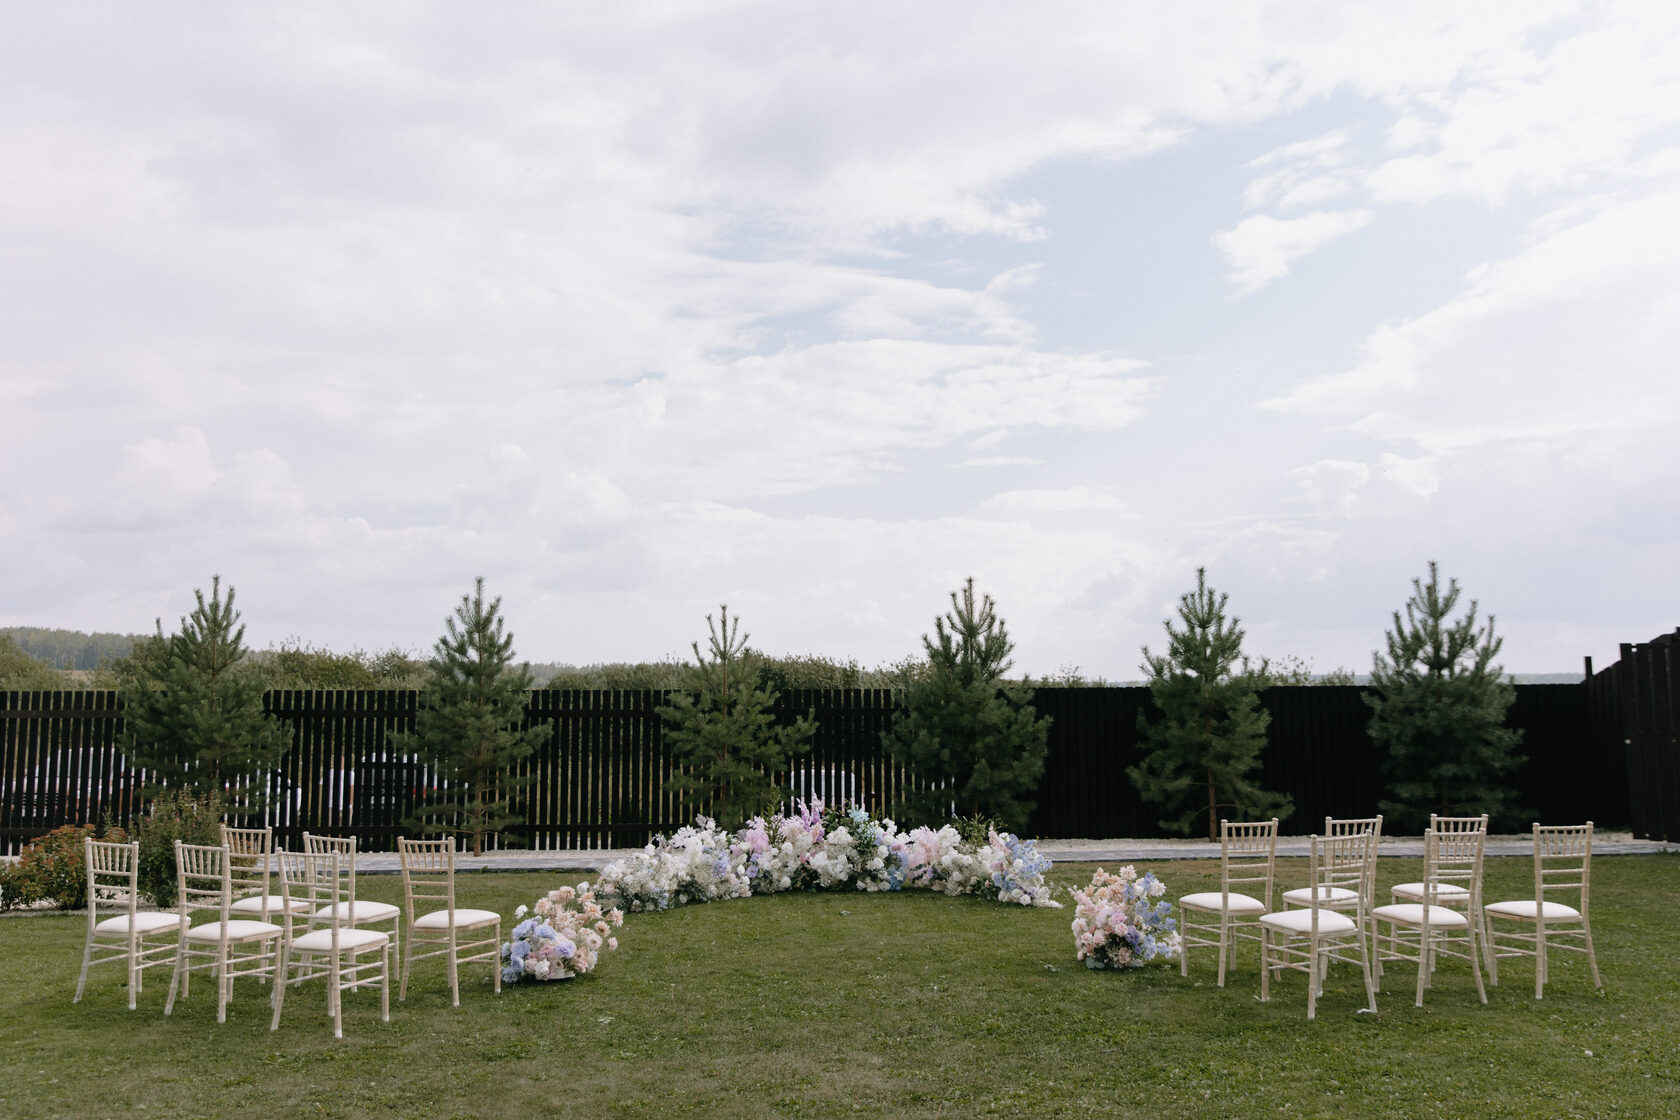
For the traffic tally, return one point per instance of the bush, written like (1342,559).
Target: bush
(53,868)
(177,815)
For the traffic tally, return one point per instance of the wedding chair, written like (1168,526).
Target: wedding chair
(117,929)
(1247,858)
(250,866)
(227,947)
(428,871)
(361,911)
(1338,864)
(335,950)
(1451,895)
(1562,866)
(1424,930)
(1345,895)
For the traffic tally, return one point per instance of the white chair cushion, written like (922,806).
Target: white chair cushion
(1527,911)
(276,904)
(464,919)
(1323,896)
(150,921)
(1214,901)
(1451,891)
(1411,914)
(1331,922)
(237,930)
(365,911)
(349,938)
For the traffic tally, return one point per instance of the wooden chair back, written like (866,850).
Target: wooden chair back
(1248,858)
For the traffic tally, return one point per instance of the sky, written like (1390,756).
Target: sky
(817,310)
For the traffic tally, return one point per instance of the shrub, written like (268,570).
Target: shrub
(53,868)
(176,815)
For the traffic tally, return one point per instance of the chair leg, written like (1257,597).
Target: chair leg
(277,995)
(454,973)
(1476,964)
(1592,959)
(496,964)
(1313,966)
(1540,976)
(385,984)
(1265,965)
(407,959)
(1224,935)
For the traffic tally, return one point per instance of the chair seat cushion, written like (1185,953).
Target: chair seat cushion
(1214,901)
(275,904)
(464,919)
(150,921)
(349,939)
(1411,914)
(1527,911)
(1330,922)
(1450,892)
(1322,896)
(365,911)
(237,930)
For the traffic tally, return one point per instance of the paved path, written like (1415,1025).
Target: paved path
(1062,851)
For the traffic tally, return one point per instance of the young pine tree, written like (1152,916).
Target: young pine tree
(468,725)
(193,709)
(1199,757)
(726,745)
(973,740)
(1438,705)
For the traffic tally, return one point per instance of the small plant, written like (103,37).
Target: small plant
(53,868)
(174,815)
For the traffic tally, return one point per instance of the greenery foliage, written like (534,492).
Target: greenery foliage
(194,709)
(175,815)
(971,737)
(1200,755)
(21,671)
(1438,706)
(299,665)
(53,868)
(469,724)
(727,745)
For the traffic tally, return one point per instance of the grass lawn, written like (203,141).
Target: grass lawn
(885,1005)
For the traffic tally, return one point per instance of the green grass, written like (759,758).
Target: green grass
(884,1005)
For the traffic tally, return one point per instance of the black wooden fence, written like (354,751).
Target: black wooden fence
(1636,710)
(599,779)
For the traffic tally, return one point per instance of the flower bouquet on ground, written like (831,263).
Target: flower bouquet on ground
(1121,921)
(562,937)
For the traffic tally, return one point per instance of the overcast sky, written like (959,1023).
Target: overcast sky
(817,309)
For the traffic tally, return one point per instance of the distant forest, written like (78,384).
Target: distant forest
(73,659)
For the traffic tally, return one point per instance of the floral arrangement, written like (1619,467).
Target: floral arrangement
(562,937)
(823,849)
(1118,922)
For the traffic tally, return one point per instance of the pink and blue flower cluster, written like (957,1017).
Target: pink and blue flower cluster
(1122,921)
(815,848)
(562,937)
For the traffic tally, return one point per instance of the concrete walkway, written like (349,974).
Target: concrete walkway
(1062,851)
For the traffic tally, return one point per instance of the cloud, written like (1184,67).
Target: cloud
(1332,486)
(1025,503)
(1261,249)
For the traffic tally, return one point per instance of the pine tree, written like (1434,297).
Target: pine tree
(1199,757)
(727,747)
(468,725)
(972,739)
(193,708)
(1438,706)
